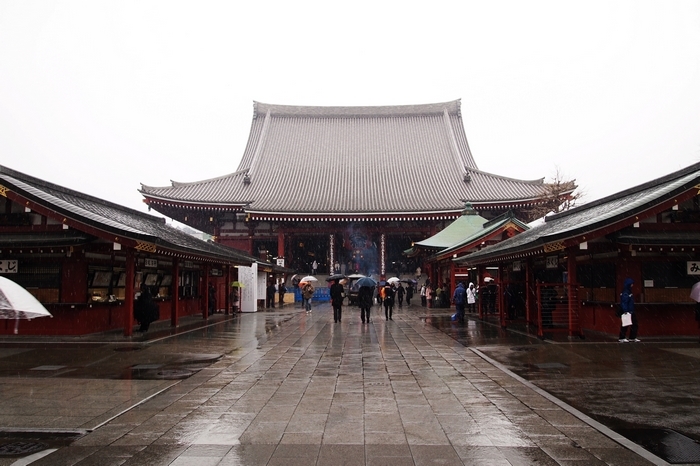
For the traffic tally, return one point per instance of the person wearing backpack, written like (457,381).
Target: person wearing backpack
(459,298)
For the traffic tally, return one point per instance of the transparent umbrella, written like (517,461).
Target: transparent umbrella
(17,303)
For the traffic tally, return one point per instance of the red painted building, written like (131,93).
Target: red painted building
(567,273)
(84,258)
(354,186)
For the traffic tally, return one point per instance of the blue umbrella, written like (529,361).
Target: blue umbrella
(365,281)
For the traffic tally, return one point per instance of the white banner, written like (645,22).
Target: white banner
(249,292)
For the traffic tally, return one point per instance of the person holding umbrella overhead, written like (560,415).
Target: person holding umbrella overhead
(307,291)
(388,301)
(365,295)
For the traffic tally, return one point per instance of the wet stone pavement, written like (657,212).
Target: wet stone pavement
(291,388)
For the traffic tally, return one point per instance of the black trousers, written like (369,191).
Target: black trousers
(388,310)
(364,313)
(337,313)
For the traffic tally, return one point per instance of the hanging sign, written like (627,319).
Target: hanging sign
(280,262)
(693,267)
(151,263)
(517,267)
(552,262)
(8,266)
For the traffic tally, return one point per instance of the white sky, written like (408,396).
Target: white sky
(101,96)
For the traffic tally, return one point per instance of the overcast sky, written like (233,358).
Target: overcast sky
(101,96)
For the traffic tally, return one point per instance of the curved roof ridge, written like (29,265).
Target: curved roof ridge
(181,184)
(275,110)
(34,182)
(501,177)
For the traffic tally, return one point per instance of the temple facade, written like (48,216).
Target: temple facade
(346,188)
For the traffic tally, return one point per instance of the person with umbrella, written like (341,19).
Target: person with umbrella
(307,292)
(409,293)
(337,293)
(364,298)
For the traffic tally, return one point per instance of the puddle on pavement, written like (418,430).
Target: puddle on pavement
(16,444)
(672,446)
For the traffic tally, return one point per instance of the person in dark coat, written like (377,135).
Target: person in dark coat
(270,292)
(409,294)
(627,305)
(211,299)
(388,301)
(400,292)
(337,294)
(364,299)
(145,310)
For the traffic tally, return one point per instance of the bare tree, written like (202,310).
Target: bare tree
(558,195)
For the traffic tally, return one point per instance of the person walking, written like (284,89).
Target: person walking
(459,298)
(364,298)
(409,294)
(307,292)
(471,298)
(423,295)
(281,289)
(314,266)
(270,292)
(337,293)
(388,301)
(429,295)
(145,309)
(400,292)
(627,306)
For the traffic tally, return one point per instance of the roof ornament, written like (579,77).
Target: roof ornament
(246,179)
(467,177)
(469,209)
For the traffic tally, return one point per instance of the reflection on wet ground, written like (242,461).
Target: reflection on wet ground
(638,390)
(287,387)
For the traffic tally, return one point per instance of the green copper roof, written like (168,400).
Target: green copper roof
(464,227)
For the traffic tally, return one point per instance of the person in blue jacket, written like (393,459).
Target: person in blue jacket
(459,298)
(627,305)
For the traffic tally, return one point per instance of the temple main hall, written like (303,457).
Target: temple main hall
(346,188)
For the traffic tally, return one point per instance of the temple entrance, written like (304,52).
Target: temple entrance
(305,249)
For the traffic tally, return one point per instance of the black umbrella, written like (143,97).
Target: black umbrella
(365,281)
(337,276)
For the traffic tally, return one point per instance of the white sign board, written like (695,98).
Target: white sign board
(8,266)
(249,292)
(552,262)
(151,263)
(262,284)
(693,267)
(280,262)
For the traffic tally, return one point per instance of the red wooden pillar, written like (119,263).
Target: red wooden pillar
(280,245)
(175,300)
(572,292)
(528,291)
(205,294)
(227,301)
(129,293)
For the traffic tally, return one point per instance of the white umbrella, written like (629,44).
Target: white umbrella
(309,278)
(355,276)
(695,292)
(17,303)
(393,280)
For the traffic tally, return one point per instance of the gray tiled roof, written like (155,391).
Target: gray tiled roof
(592,216)
(355,160)
(115,219)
